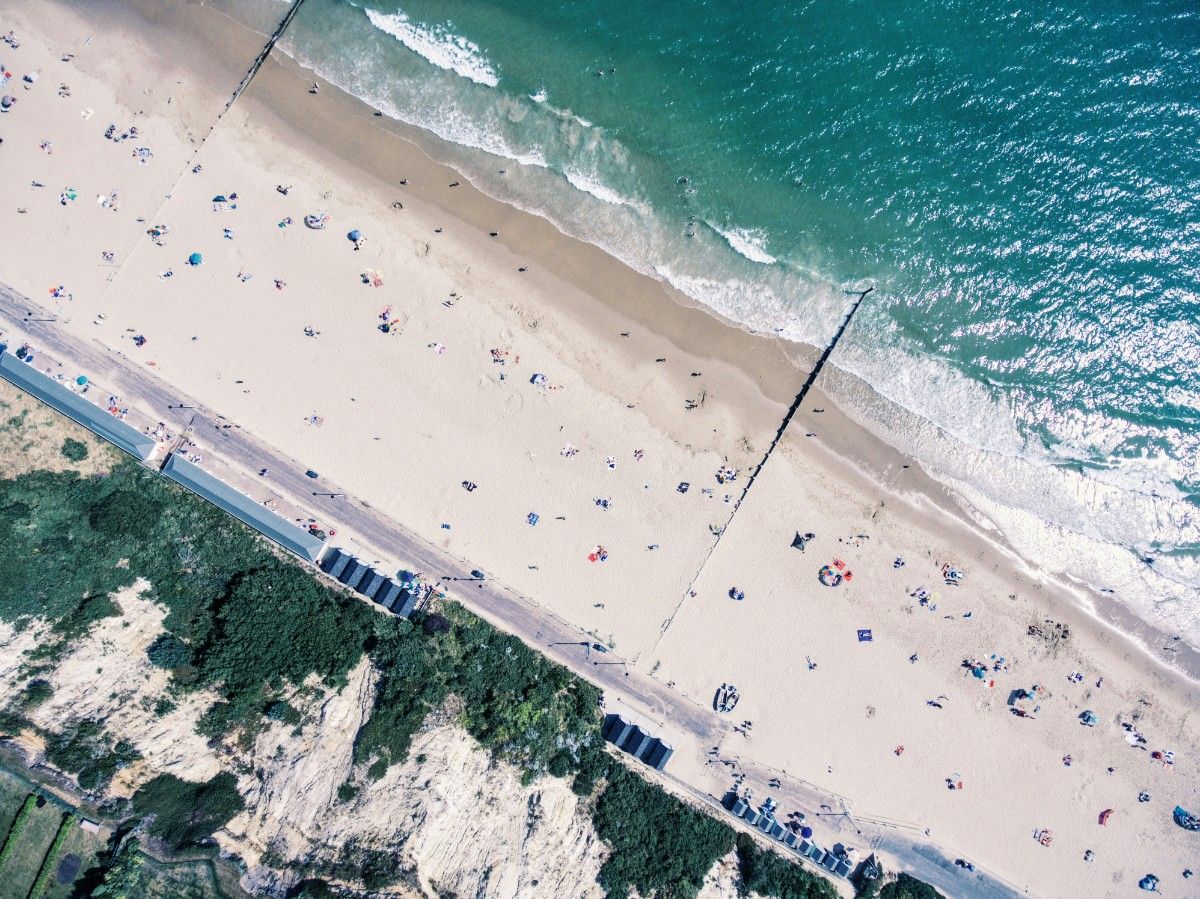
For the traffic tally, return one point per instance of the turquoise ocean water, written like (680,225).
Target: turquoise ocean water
(1020,184)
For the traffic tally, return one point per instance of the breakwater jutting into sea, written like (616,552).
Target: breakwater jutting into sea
(1020,185)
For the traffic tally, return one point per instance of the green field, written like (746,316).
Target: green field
(35,838)
(78,850)
(78,853)
(12,794)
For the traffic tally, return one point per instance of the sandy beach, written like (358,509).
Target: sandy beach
(583,434)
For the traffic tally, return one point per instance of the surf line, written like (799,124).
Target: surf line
(783,426)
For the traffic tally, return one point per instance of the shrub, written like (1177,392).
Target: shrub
(185,813)
(74,450)
(346,792)
(659,844)
(282,711)
(35,693)
(769,874)
(125,512)
(908,887)
(168,651)
(85,751)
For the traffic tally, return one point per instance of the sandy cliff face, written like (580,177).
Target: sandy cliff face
(107,677)
(450,819)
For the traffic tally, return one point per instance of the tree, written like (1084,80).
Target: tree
(125,512)
(769,874)
(185,813)
(123,879)
(168,651)
(659,844)
(908,887)
(74,450)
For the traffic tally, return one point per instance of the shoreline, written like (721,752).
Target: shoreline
(685,323)
(579,298)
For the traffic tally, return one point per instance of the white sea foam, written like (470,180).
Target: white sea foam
(598,189)
(1093,528)
(749,242)
(539,96)
(439,46)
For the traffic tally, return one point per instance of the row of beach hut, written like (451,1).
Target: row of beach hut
(398,597)
(764,819)
(630,738)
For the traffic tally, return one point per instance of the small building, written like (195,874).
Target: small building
(89,826)
(657,754)
(615,728)
(752,816)
(790,839)
(371,581)
(352,573)
(406,604)
(388,594)
(635,742)
(843,867)
(630,738)
(334,562)
(765,823)
(778,831)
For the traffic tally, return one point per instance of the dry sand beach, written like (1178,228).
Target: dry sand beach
(526,402)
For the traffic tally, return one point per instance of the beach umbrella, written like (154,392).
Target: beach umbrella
(6,101)
(806,832)
(195,259)
(1104,815)
(219,198)
(354,235)
(81,380)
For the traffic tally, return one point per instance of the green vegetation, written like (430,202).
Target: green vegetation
(908,887)
(51,857)
(13,837)
(25,850)
(769,874)
(35,693)
(134,875)
(519,705)
(74,450)
(86,751)
(185,813)
(168,651)
(659,844)
(123,878)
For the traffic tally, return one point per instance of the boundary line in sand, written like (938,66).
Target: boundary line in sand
(783,426)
